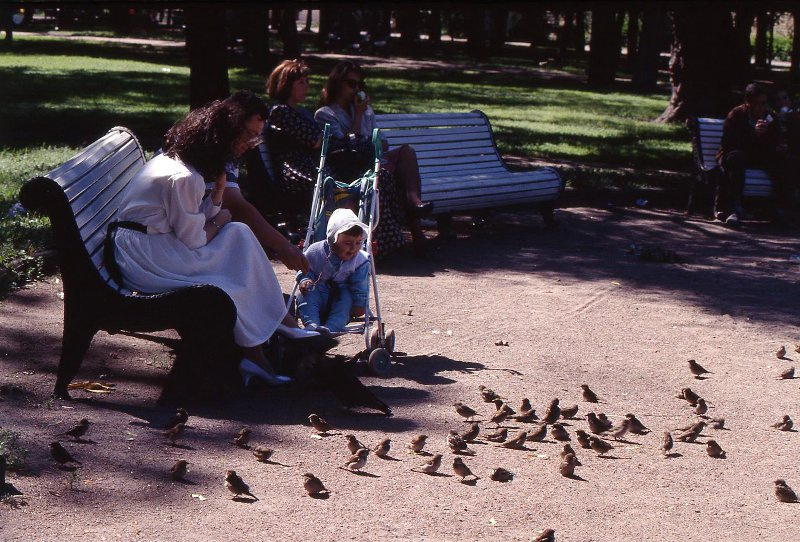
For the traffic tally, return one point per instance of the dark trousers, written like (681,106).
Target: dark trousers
(782,169)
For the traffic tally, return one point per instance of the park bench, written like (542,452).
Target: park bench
(81,197)
(706,142)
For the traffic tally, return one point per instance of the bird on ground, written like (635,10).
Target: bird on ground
(588,395)
(785,424)
(548,535)
(569,412)
(501,475)
(313,485)
(635,426)
(688,395)
(696,369)
(527,416)
(538,434)
(583,438)
(622,430)
(431,465)
(666,443)
(461,469)
(608,424)
(472,433)
(181,416)
(701,408)
(262,453)
(498,436)
(516,443)
(691,434)
(179,469)
(567,467)
(568,450)
(61,455)
(595,425)
(787,374)
(553,412)
(242,437)
(781,352)
(418,443)
(713,449)
(382,448)
(600,446)
(558,432)
(175,433)
(236,485)
(464,411)
(797,348)
(500,416)
(353,444)
(487,394)
(783,492)
(500,404)
(525,404)
(717,423)
(457,444)
(79,430)
(319,425)
(358,460)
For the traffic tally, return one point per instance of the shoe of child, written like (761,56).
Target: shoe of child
(296,332)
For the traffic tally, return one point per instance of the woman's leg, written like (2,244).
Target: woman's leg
(407,172)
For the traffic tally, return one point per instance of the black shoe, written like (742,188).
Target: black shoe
(423,209)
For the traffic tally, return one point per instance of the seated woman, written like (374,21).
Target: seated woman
(170,237)
(347,108)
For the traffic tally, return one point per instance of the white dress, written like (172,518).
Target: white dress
(166,195)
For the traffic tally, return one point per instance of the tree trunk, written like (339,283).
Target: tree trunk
(741,49)
(579,34)
(408,26)
(288,33)
(795,58)
(326,20)
(761,39)
(275,19)
(633,38)
(7,24)
(565,33)
(435,27)
(534,21)
(476,31)
(651,43)
(699,65)
(604,47)
(499,27)
(208,54)
(307,27)
(254,22)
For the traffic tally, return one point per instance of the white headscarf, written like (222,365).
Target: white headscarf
(340,221)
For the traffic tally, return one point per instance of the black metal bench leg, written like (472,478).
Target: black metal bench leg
(73,347)
(547,210)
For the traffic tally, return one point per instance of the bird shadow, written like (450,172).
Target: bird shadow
(701,378)
(8,490)
(68,468)
(82,441)
(626,441)
(471,482)
(180,446)
(786,358)
(185,482)
(438,474)
(246,500)
(320,496)
(609,457)
(673,455)
(363,473)
(463,452)
(388,458)
(270,462)
(422,453)
(576,477)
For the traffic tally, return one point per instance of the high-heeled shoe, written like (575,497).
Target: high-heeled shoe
(249,369)
(296,332)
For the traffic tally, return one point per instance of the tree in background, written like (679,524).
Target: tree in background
(652,40)
(288,33)
(604,46)
(253,21)
(476,31)
(208,61)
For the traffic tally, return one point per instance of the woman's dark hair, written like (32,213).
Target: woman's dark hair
(204,138)
(280,81)
(754,90)
(250,103)
(330,92)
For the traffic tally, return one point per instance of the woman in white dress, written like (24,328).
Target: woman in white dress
(172,237)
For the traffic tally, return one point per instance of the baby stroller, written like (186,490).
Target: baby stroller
(328,195)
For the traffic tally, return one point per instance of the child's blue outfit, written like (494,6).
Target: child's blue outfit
(342,284)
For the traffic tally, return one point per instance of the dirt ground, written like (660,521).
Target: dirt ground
(574,307)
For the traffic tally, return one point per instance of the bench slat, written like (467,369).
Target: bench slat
(433,123)
(82,194)
(439,139)
(458,160)
(86,163)
(495,179)
(443,154)
(384,118)
(455,144)
(462,169)
(392,135)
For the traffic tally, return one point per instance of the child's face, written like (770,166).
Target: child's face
(347,246)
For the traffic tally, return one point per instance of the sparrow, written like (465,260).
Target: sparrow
(262,453)
(600,446)
(353,444)
(461,469)
(418,443)
(635,426)
(457,444)
(472,433)
(538,434)
(500,404)
(588,395)
(175,433)
(701,407)
(313,485)
(527,416)
(595,425)
(498,436)
(781,352)
(787,373)
(501,475)
(516,443)
(688,395)
(785,424)
(525,405)
(236,485)
(181,416)
(567,451)
(382,448)
(431,465)
(464,411)
(553,412)
(319,425)
(608,424)
(717,423)
(783,492)
(583,438)
(487,394)
(696,369)
(548,535)
(179,469)
(569,412)
(242,437)
(558,432)
(620,431)
(691,434)
(666,443)
(567,467)
(357,460)
(500,416)
(61,455)
(797,348)
(79,430)
(713,449)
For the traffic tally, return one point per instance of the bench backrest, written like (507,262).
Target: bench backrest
(708,140)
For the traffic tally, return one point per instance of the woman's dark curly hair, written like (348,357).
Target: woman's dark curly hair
(204,138)
(330,92)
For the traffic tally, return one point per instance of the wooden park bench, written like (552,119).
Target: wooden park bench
(81,197)
(706,142)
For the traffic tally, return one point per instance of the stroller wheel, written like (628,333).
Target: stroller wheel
(379,362)
(374,339)
(388,342)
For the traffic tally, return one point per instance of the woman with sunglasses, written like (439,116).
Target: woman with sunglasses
(346,107)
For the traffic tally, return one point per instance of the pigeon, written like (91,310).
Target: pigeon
(498,436)
(418,443)
(516,443)
(622,430)
(457,444)
(461,469)
(319,425)
(701,407)
(181,416)
(357,460)
(588,395)
(262,453)
(236,485)
(242,437)
(696,369)
(501,475)
(691,434)
(382,448)
(785,424)
(666,443)
(548,535)
(61,455)
(595,425)
(464,411)
(567,467)
(713,449)
(553,412)
(717,423)
(583,438)
(783,492)
(487,394)
(179,469)
(431,465)
(175,433)
(538,434)
(786,374)
(472,433)
(781,353)
(600,446)
(79,430)
(353,444)
(568,413)
(313,485)
(558,432)
(635,426)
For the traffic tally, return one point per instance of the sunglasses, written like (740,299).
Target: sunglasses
(355,84)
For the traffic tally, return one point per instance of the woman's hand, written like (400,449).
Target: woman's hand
(306,286)
(360,106)
(219,188)
(762,126)
(214,225)
(292,257)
